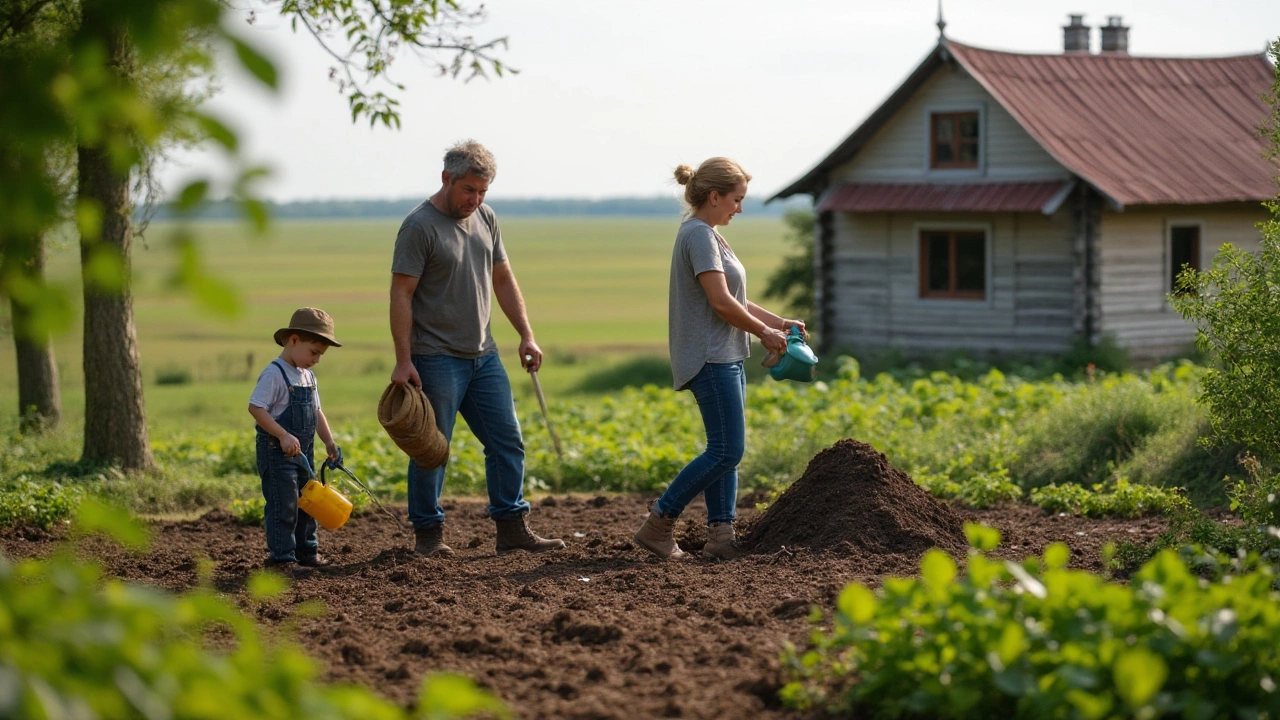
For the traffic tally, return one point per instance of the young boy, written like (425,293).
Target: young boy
(286,406)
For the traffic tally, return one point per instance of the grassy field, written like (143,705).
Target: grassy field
(596,290)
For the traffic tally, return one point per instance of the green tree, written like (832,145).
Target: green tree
(792,282)
(104,84)
(1236,306)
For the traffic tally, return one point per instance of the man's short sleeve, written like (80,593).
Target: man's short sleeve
(703,251)
(410,256)
(499,252)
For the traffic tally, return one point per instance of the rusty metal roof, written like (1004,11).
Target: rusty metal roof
(989,197)
(1142,131)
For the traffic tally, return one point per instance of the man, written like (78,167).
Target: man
(448,258)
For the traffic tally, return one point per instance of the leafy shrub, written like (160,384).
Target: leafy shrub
(1122,499)
(250,512)
(633,372)
(74,643)
(41,505)
(174,375)
(1036,640)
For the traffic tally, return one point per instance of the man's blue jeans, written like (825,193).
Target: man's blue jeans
(721,392)
(480,390)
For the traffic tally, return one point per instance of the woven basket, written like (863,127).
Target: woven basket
(406,415)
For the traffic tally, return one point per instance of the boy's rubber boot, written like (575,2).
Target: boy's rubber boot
(430,542)
(721,543)
(657,535)
(289,569)
(315,561)
(514,534)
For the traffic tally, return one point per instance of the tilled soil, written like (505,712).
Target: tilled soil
(599,630)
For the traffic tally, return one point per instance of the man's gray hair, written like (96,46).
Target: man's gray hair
(471,157)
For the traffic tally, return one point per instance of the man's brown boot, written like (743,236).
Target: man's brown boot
(657,535)
(430,542)
(514,534)
(721,544)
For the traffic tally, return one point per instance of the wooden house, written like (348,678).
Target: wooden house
(1003,202)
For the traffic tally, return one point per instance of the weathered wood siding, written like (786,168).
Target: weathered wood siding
(874,293)
(1135,276)
(897,152)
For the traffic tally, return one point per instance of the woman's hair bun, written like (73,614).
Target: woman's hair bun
(684,174)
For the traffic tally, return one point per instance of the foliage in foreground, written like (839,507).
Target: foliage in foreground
(74,643)
(1037,640)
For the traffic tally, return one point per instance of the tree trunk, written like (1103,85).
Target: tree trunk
(39,401)
(115,419)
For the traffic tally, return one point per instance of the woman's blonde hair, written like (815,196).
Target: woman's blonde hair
(718,173)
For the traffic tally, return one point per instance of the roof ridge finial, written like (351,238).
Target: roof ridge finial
(942,24)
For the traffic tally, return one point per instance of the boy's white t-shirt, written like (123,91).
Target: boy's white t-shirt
(272,394)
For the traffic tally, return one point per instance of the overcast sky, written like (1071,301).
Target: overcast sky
(612,94)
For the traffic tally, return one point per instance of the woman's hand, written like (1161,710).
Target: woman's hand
(786,326)
(773,340)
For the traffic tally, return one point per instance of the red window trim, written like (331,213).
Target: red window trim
(951,293)
(956,143)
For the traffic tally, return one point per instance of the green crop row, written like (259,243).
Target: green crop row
(1118,445)
(1037,640)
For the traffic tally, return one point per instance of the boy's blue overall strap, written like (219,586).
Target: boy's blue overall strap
(283,374)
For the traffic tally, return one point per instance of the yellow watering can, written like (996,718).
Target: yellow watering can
(329,507)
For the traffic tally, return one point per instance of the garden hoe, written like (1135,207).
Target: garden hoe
(542,403)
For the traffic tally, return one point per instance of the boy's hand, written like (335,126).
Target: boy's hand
(290,445)
(332,448)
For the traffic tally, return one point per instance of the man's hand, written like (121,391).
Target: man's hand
(290,445)
(530,355)
(405,372)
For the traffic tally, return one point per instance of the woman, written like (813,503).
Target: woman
(709,319)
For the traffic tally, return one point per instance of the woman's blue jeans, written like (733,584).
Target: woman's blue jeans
(480,390)
(721,392)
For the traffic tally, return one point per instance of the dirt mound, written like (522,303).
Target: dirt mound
(851,500)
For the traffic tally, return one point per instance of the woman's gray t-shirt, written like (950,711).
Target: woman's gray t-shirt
(696,335)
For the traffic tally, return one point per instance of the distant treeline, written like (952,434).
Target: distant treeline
(651,206)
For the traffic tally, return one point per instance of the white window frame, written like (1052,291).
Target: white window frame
(957,173)
(988,253)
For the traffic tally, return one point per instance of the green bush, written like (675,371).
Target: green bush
(1120,499)
(174,375)
(75,643)
(1038,640)
(250,512)
(28,503)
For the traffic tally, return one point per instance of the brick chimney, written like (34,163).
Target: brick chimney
(1115,36)
(1075,37)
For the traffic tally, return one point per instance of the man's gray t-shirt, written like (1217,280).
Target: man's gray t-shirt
(453,261)
(696,335)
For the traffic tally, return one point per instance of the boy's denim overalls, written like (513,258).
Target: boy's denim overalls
(291,533)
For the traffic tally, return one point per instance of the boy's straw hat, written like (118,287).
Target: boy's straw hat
(312,320)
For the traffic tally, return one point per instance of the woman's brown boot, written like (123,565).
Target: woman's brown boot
(721,543)
(657,535)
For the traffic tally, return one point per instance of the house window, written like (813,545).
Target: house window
(954,140)
(953,264)
(1184,251)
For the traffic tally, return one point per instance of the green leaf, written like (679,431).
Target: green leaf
(104,269)
(1056,556)
(1013,642)
(982,537)
(95,517)
(857,603)
(255,62)
(193,194)
(264,584)
(454,696)
(938,569)
(218,132)
(1139,675)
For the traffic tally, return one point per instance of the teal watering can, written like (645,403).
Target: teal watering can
(797,363)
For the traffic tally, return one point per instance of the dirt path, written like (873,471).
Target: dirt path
(596,631)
